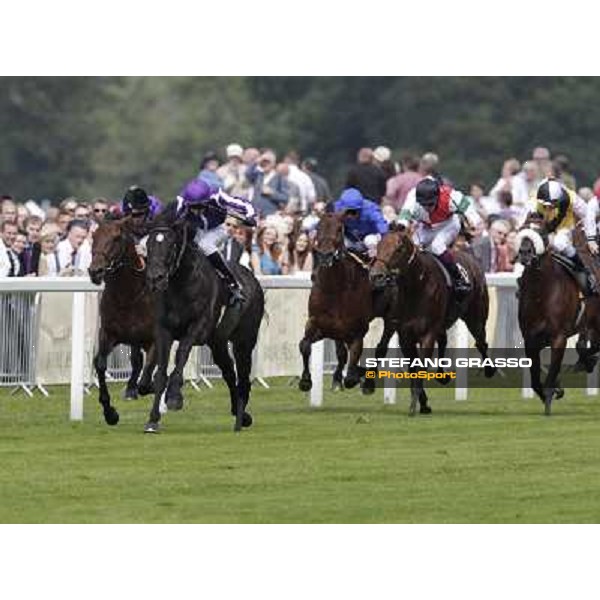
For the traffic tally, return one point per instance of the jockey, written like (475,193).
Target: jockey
(558,207)
(363,222)
(142,209)
(207,210)
(139,205)
(436,208)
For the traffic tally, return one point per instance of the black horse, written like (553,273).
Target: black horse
(190,300)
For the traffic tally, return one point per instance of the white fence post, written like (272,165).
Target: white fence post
(389,393)
(77,355)
(316,369)
(461,341)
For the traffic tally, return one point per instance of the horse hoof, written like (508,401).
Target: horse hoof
(145,390)
(130,394)
(558,393)
(425,410)
(111,416)
(489,371)
(351,381)
(444,380)
(337,386)
(367,389)
(175,402)
(305,385)
(151,427)
(246,420)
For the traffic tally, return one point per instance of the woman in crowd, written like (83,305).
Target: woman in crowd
(49,240)
(300,258)
(267,254)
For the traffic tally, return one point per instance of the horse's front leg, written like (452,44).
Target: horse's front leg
(559,343)
(532,351)
(354,371)
(311,335)
(136,358)
(427,347)
(341,353)
(164,341)
(105,345)
(174,397)
(145,385)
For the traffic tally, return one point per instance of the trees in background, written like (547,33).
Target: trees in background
(91,136)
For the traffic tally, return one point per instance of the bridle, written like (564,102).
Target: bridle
(328,259)
(392,274)
(121,259)
(176,254)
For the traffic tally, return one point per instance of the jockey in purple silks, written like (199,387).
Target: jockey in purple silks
(206,209)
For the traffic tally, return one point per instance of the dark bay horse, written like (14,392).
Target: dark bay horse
(190,299)
(426,307)
(126,309)
(340,305)
(550,311)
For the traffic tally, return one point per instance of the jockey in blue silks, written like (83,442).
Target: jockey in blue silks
(206,209)
(364,224)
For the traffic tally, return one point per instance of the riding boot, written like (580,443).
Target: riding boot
(222,268)
(591,283)
(461,287)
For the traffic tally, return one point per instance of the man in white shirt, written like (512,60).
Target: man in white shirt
(9,261)
(305,184)
(74,252)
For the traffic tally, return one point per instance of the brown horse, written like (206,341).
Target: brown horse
(126,309)
(426,306)
(550,311)
(340,305)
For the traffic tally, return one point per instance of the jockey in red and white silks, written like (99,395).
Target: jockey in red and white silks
(436,208)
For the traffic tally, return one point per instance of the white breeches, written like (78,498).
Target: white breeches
(208,241)
(438,239)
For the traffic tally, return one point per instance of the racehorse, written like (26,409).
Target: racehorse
(426,306)
(550,311)
(126,309)
(190,299)
(340,304)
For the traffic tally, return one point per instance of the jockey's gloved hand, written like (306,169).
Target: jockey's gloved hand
(359,247)
(593,247)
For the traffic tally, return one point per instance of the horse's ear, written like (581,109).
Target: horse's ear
(329,208)
(395,226)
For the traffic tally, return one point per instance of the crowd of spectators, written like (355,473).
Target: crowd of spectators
(290,195)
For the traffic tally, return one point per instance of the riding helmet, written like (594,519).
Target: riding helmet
(428,192)
(196,191)
(552,192)
(136,199)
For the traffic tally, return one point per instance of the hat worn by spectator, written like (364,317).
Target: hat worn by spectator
(381,154)
(234,151)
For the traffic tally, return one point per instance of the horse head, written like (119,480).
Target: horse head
(166,245)
(112,246)
(395,253)
(530,246)
(329,245)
